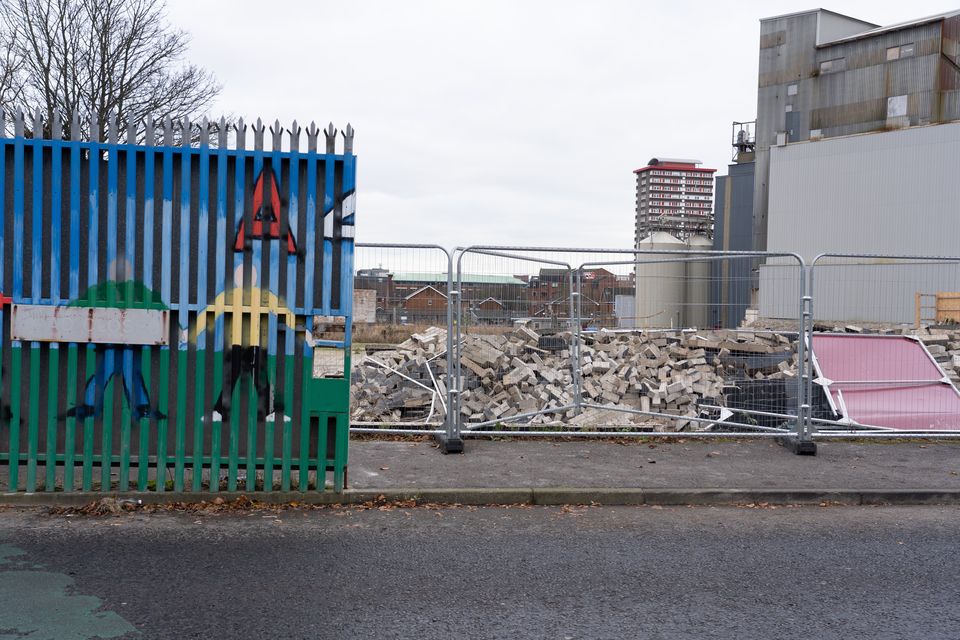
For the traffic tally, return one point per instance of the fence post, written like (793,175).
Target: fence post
(809,337)
(808,368)
(576,355)
(450,441)
(801,443)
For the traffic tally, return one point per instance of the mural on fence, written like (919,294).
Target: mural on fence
(124,362)
(180,282)
(268,212)
(248,351)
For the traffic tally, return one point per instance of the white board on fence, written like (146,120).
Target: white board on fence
(365,305)
(100,325)
(328,362)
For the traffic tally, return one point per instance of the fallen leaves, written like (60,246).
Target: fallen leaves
(245,505)
(572,510)
(119,506)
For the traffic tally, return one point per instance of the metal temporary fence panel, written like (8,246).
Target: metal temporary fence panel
(233,255)
(754,382)
(585,379)
(406,291)
(491,299)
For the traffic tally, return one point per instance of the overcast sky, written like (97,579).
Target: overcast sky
(498,121)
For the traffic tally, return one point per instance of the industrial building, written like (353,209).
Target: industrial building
(857,150)
(824,75)
(674,196)
(730,289)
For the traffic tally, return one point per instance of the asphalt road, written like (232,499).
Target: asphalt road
(536,572)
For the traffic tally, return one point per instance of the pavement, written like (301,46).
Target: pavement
(627,472)
(692,464)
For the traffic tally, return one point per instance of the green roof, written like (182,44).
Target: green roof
(467,278)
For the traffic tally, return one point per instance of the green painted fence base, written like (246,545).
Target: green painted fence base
(326,407)
(317,463)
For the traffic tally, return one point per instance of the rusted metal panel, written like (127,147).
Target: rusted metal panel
(98,325)
(773,39)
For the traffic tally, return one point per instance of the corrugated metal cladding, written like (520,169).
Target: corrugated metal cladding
(852,96)
(854,99)
(849,291)
(787,58)
(893,193)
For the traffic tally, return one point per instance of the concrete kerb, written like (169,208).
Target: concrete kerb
(519,496)
(733,497)
(909,496)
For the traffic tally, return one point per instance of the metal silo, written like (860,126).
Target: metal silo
(698,284)
(660,285)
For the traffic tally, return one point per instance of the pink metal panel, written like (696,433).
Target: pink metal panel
(886,381)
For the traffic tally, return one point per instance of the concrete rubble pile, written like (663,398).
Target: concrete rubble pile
(402,383)
(944,346)
(670,372)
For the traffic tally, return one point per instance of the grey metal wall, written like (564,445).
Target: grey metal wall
(876,292)
(893,193)
(834,26)
(733,231)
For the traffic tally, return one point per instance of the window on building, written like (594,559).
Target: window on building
(832,66)
(903,51)
(792,90)
(897,106)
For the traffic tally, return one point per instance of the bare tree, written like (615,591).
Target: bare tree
(96,58)
(11,91)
